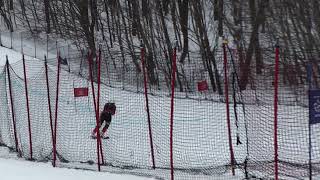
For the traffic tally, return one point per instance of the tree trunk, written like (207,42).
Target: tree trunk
(47,14)
(246,71)
(184,9)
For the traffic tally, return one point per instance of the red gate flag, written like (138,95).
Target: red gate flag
(80,92)
(202,86)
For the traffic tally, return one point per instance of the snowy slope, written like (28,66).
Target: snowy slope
(15,169)
(13,56)
(32,170)
(200,132)
(129,145)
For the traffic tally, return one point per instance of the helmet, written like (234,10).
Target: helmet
(110,107)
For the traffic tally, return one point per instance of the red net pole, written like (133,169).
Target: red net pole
(28,107)
(147,103)
(12,108)
(226,87)
(276,84)
(98,100)
(56,113)
(174,68)
(95,108)
(49,106)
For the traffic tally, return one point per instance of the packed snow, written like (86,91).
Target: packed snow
(19,169)
(117,144)
(13,56)
(16,169)
(210,149)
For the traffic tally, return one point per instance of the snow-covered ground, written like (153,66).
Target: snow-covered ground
(20,169)
(17,169)
(124,148)
(200,138)
(13,56)
(23,41)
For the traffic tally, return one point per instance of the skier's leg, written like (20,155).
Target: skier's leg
(104,130)
(96,129)
(102,126)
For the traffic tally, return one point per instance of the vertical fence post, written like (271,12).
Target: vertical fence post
(123,75)
(68,59)
(28,107)
(21,43)
(147,103)
(35,47)
(56,112)
(173,78)
(226,87)
(309,79)
(47,43)
(11,39)
(57,46)
(98,101)
(49,106)
(12,108)
(276,84)
(90,58)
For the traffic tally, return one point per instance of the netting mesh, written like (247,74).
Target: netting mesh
(292,128)
(38,109)
(201,148)
(260,119)
(7,137)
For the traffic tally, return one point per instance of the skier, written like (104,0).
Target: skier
(105,118)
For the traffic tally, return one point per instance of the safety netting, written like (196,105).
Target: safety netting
(197,125)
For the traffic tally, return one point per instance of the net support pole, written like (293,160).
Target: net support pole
(226,87)
(47,43)
(21,43)
(244,111)
(49,107)
(98,100)
(173,78)
(12,107)
(35,47)
(28,107)
(147,102)
(56,112)
(309,77)
(11,39)
(90,59)
(276,84)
